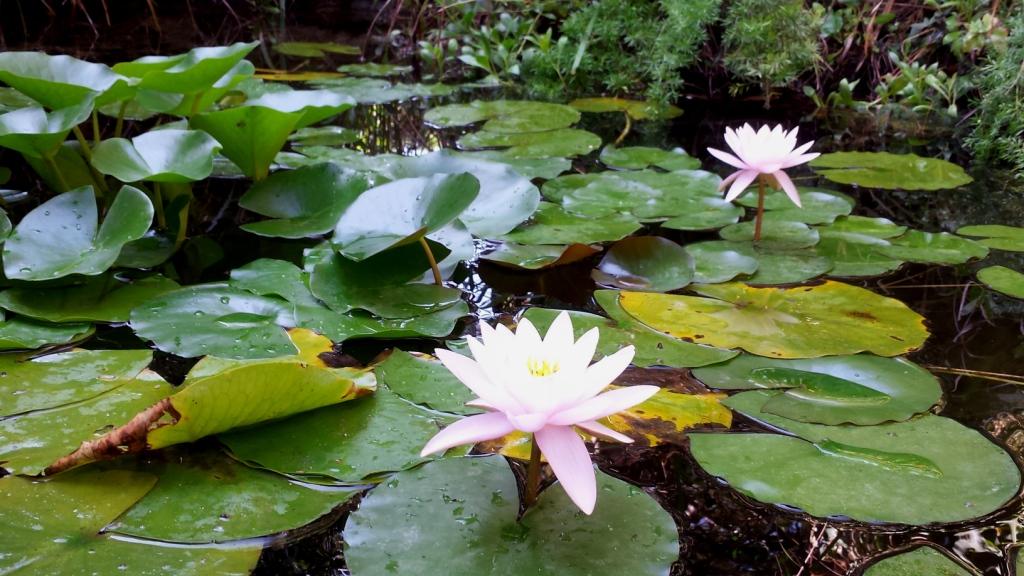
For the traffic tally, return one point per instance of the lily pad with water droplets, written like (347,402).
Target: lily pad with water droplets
(461,513)
(890,171)
(802,322)
(98,299)
(424,380)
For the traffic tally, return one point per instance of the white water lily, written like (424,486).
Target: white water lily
(544,386)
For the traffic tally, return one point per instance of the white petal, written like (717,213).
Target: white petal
(559,339)
(797,160)
(604,405)
(728,179)
(469,431)
(570,461)
(599,429)
(604,372)
(727,158)
(582,352)
(787,185)
(744,179)
(475,377)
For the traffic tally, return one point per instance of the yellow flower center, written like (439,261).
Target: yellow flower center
(541,368)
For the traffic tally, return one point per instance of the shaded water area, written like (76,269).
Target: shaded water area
(974,331)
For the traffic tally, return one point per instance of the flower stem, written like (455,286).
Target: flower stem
(760,209)
(433,262)
(533,474)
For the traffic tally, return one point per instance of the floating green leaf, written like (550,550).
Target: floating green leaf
(717,261)
(504,116)
(775,234)
(640,157)
(854,253)
(538,256)
(562,142)
(21,333)
(374,69)
(315,49)
(97,299)
(636,109)
(324,136)
(378,91)
(1002,279)
(645,263)
(817,206)
(424,380)
(803,322)
(1009,238)
(462,513)
(920,560)
(941,248)
(268,277)
(166,155)
(62,235)
(890,171)
(553,225)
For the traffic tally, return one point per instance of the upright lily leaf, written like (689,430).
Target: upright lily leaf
(563,142)
(504,116)
(37,133)
(1009,238)
(54,528)
(890,171)
(304,202)
(314,105)
(640,157)
(927,469)
(861,389)
(804,322)
(401,212)
(462,513)
(61,81)
(98,299)
(194,71)
(646,264)
(166,155)
(1002,279)
(208,497)
(62,236)
(920,560)
(148,102)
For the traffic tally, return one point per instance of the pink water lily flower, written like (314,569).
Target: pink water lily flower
(762,153)
(545,387)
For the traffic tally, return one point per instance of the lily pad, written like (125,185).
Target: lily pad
(98,299)
(636,109)
(640,157)
(61,81)
(54,529)
(817,206)
(303,203)
(854,254)
(425,381)
(860,389)
(374,69)
(645,263)
(58,379)
(379,91)
(803,322)
(22,333)
(348,442)
(1002,279)
(165,155)
(1009,238)
(719,261)
(30,442)
(268,277)
(775,234)
(538,256)
(927,469)
(207,497)
(920,560)
(62,235)
(401,212)
(462,512)
(504,116)
(929,248)
(315,49)
(551,224)
(563,142)
(876,227)
(357,324)
(890,171)
(37,133)
(531,168)
(324,136)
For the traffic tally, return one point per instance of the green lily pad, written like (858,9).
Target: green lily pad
(30,442)
(54,529)
(505,116)
(62,235)
(929,248)
(640,157)
(186,102)
(1009,238)
(58,379)
(268,277)
(876,227)
(356,324)
(652,348)
(315,49)
(37,133)
(563,142)
(645,263)
(165,155)
(462,513)
(818,206)
(207,497)
(920,560)
(11,99)
(637,109)
(194,71)
(97,299)
(775,234)
(61,81)
(216,320)
(67,171)
(803,322)
(860,389)
(531,168)
(425,381)
(927,469)
(855,254)
(324,136)
(303,203)
(379,91)
(890,171)
(1002,279)
(25,334)
(374,69)
(719,261)
(538,256)
(401,212)
(348,442)
(551,224)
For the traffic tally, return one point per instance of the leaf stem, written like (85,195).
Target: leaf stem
(433,262)
(760,208)
(96,136)
(86,150)
(158,206)
(57,172)
(120,119)
(532,474)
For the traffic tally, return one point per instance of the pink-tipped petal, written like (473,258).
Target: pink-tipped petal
(473,376)
(729,179)
(743,180)
(798,160)
(570,461)
(605,371)
(727,158)
(583,351)
(603,405)
(787,185)
(481,403)
(599,429)
(469,431)
(528,422)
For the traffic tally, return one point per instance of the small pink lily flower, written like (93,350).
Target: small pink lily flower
(764,152)
(545,387)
